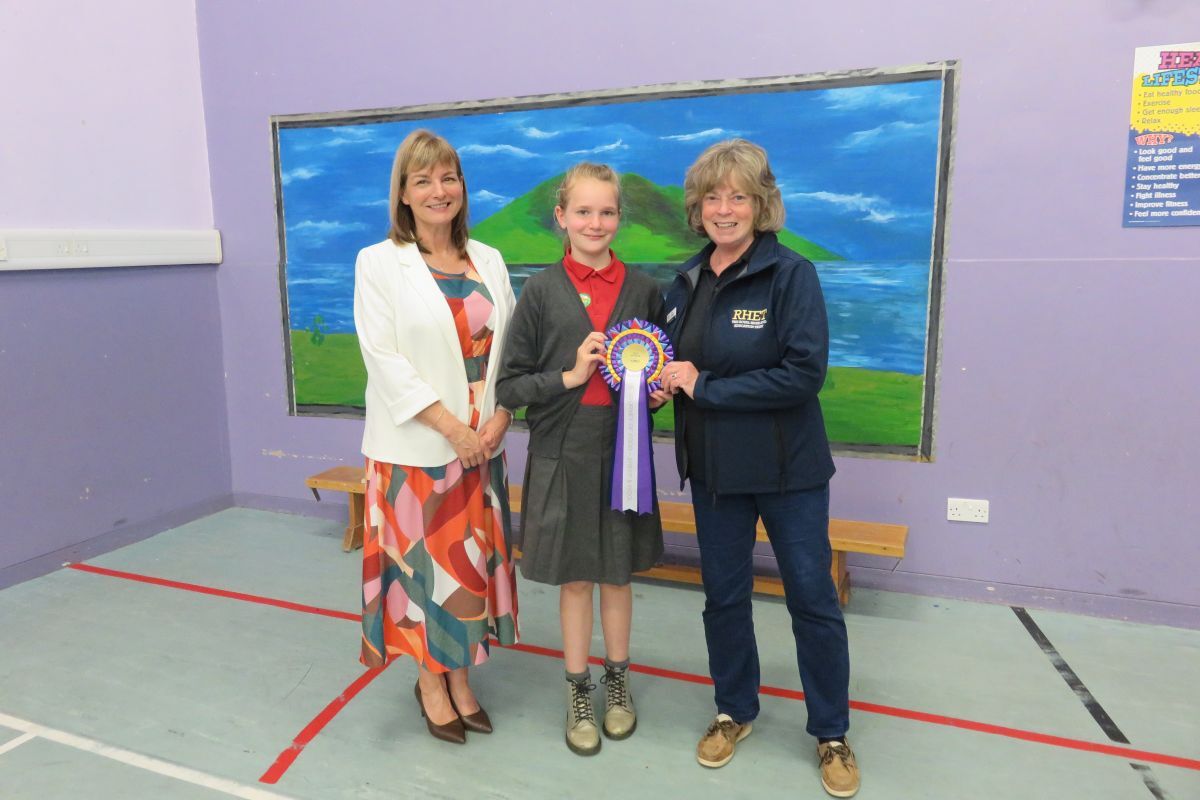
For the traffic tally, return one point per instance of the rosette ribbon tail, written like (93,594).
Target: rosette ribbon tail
(633,469)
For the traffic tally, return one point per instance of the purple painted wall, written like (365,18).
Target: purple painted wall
(1066,394)
(112,408)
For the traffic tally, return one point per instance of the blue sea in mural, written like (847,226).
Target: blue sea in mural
(876,310)
(856,166)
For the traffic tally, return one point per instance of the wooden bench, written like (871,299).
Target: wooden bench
(352,481)
(845,536)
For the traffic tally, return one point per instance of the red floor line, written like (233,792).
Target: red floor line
(285,759)
(288,756)
(1028,736)
(195,587)
(658,672)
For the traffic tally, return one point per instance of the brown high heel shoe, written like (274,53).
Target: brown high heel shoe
(479,722)
(453,731)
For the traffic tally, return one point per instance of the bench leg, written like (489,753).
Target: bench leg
(841,576)
(353,538)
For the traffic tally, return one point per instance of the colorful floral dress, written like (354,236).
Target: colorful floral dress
(438,577)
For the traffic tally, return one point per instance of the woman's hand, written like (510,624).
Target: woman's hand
(492,432)
(468,446)
(587,357)
(681,376)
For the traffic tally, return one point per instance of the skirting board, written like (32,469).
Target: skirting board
(71,248)
(100,543)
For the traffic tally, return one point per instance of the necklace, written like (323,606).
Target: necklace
(447,272)
(461,273)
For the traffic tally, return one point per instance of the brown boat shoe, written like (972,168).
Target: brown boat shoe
(839,769)
(720,740)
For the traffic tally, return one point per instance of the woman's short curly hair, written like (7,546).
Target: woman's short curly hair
(743,164)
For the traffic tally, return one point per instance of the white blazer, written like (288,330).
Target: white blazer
(411,350)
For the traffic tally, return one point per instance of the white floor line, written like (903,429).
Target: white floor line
(13,744)
(158,766)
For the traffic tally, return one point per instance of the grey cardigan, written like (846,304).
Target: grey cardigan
(547,328)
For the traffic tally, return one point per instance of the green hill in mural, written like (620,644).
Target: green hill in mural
(653,229)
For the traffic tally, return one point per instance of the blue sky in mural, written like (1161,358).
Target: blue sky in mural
(856,165)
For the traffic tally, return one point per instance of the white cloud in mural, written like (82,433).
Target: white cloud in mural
(868,138)
(484,196)
(699,136)
(876,209)
(860,97)
(348,135)
(314,233)
(326,226)
(299,174)
(619,144)
(492,149)
(537,133)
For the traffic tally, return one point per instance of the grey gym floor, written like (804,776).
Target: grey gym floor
(113,687)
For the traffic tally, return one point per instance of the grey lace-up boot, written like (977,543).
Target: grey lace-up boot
(620,718)
(582,735)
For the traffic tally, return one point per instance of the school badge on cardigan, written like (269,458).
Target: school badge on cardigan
(635,353)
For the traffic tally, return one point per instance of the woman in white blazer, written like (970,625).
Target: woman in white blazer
(431,308)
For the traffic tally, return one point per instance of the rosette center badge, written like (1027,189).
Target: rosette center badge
(636,346)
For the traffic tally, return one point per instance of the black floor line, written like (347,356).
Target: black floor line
(1085,696)
(1150,781)
(1064,670)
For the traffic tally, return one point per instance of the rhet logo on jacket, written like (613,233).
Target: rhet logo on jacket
(753,319)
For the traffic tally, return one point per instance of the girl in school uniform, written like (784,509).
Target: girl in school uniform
(572,538)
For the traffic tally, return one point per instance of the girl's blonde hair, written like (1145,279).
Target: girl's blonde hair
(586,169)
(420,150)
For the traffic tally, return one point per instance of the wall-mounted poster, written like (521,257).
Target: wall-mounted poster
(1162,179)
(862,160)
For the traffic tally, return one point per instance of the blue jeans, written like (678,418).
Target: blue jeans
(797,524)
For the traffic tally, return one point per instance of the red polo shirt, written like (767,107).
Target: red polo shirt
(598,290)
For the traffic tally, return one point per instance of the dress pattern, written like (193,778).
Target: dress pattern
(438,578)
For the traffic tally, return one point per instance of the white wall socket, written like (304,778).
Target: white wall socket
(961,509)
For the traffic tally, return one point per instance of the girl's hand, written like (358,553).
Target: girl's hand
(492,433)
(659,398)
(587,358)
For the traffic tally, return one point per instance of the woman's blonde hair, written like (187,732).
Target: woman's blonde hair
(743,164)
(421,150)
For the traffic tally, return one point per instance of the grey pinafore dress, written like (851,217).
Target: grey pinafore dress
(569,532)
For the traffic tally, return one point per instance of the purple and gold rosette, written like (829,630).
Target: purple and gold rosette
(635,354)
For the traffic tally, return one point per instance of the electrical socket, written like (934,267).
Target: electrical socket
(961,509)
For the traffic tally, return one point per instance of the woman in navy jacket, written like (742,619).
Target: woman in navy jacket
(748,321)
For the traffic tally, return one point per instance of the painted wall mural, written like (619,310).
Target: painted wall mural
(862,161)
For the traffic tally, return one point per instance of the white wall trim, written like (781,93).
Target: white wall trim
(70,248)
